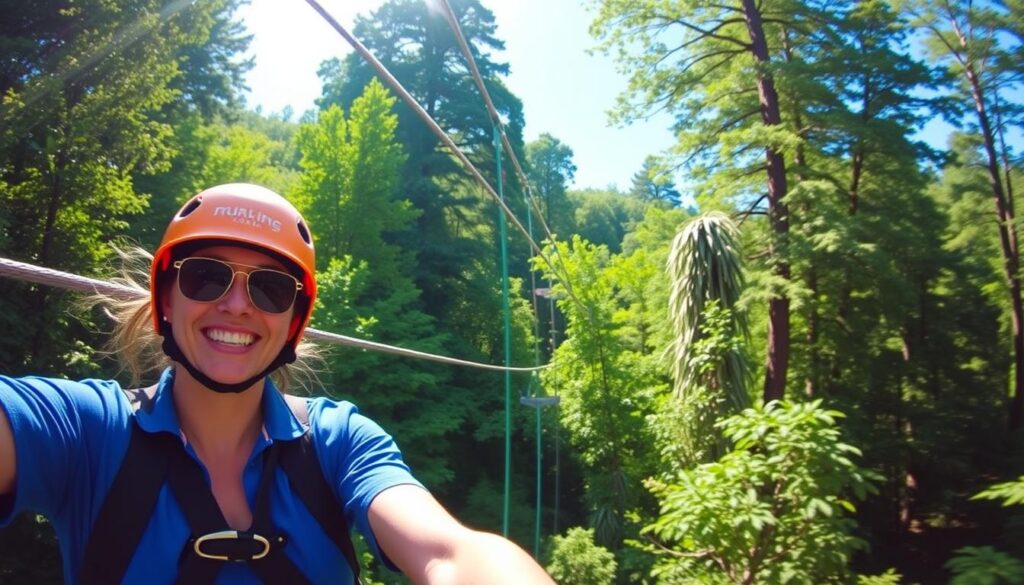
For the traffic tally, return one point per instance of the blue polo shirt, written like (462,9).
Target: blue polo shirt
(70,439)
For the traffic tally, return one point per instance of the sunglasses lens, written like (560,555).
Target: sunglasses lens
(204,280)
(272,291)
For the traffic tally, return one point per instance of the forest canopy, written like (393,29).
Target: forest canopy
(790,351)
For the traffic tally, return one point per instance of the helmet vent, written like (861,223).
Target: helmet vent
(303,231)
(190,207)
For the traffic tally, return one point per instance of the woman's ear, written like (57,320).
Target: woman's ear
(166,292)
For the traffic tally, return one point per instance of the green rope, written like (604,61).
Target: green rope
(508,338)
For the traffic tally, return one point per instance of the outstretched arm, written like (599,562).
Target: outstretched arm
(7,467)
(431,547)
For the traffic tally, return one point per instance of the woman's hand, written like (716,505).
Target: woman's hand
(431,547)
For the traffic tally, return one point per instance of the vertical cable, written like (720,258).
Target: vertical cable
(508,337)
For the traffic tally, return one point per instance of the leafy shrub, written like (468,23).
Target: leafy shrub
(576,560)
(773,510)
(984,565)
(890,577)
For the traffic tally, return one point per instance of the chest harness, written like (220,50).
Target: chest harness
(154,459)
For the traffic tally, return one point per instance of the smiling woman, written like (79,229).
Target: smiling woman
(268,481)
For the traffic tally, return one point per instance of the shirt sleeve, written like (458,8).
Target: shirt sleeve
(61,429)
(360,460)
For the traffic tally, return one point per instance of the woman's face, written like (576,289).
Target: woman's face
(229,339)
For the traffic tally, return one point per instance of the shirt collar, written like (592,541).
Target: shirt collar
(279,423)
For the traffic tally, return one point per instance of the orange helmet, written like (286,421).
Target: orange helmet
(250,215)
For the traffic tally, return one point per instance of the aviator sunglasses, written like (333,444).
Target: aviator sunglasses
(206,280)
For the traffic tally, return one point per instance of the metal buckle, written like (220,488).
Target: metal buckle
(230,535)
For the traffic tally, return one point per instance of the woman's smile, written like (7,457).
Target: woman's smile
(233,338)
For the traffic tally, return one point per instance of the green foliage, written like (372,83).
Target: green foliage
(606,388)
(890,577)
(685,424)
(350,178)
(653,184)
(1011,493)
(983,565)
(550,169)
(576,560)
(704,268)
(605,217)
(774,510)
(483,508)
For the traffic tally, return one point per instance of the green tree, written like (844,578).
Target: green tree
(708,364)
(855,168)
(604,394)
(973,565)
(774,510)
(969,41)
(576,560)
(653,184)
(208,96)
(604,217)
(213,68)
(351,170)
(80,90)
(730,122)
(704,267)
(417,45)
(550,170)
(348,188)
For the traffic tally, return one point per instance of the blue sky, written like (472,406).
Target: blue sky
(565,91)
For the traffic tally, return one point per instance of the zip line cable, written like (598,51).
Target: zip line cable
(429,121)
(499,131)
(50,277)
(410,101)
(453,22)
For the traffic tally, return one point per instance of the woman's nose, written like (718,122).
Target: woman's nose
(236,300)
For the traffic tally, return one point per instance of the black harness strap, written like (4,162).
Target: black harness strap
(300,464)
(201,511)
(125,512)
(276,567)
(155,458)
(205,519)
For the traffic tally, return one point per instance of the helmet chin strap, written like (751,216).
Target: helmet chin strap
(170,347)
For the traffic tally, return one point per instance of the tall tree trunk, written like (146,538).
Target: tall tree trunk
(1008,242)
(778,307)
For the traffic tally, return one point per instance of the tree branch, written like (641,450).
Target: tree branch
(709,34)
(750,210)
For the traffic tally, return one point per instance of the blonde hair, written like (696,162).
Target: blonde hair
(137,346)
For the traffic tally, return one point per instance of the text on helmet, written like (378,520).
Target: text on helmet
(246,216)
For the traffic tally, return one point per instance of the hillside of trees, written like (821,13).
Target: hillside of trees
(791,351)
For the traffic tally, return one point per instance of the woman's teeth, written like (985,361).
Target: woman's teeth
(230,337)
